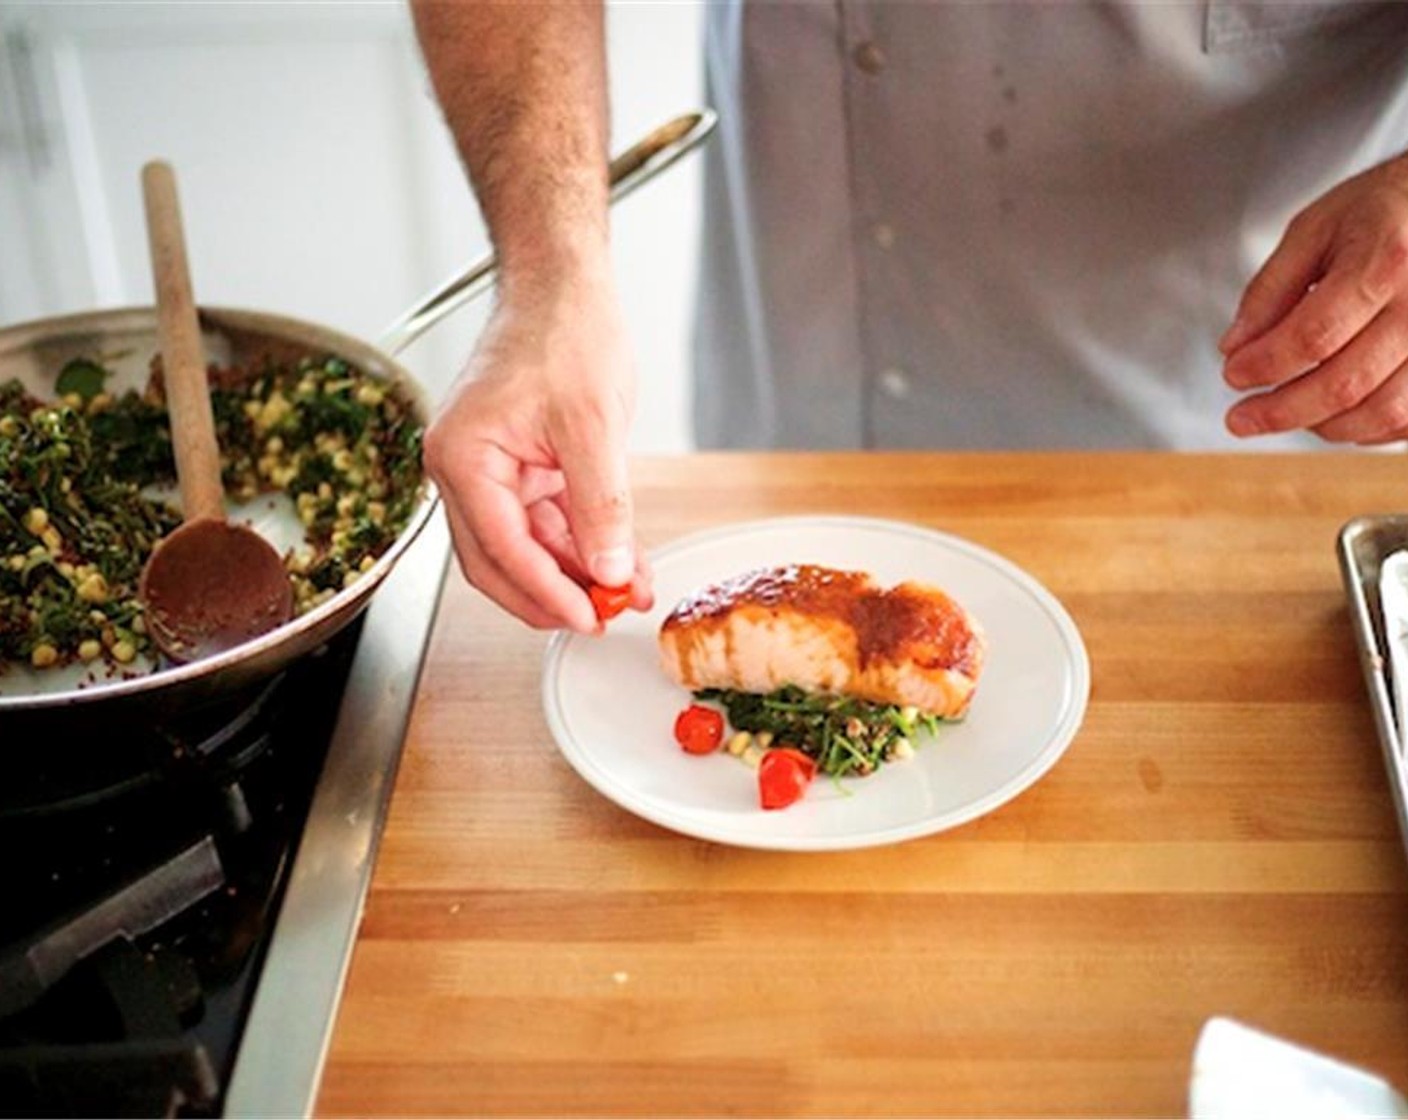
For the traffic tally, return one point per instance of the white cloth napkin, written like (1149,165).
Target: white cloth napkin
(1244,1074)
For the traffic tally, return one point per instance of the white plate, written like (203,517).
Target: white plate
(612,709)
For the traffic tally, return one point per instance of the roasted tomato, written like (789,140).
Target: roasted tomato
(783,776)
(699,730)
(609,601)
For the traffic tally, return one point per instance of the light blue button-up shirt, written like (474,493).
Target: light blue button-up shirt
(1017,225)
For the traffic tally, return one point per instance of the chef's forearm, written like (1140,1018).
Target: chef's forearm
(523,88)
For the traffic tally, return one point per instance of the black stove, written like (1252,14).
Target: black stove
(141,872)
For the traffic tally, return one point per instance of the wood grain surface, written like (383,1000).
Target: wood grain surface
(1219,840)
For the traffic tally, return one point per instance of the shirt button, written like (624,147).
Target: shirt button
(883,234)
(869,57)
(894,383)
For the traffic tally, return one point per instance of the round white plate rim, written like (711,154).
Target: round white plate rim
(1071,718)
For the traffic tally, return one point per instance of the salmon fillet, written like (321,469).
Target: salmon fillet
(825,630)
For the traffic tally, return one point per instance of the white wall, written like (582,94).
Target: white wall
(316,175)
(656,59)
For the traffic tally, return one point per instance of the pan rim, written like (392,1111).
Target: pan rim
(349,600)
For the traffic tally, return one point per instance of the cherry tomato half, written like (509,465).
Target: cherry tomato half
(609,601)
(698,729)
(783,776)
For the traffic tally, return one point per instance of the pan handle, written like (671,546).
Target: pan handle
(638,164)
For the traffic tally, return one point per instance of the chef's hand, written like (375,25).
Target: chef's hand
(1322,329)
(529,452)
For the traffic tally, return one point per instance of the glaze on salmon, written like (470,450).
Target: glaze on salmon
(826,631)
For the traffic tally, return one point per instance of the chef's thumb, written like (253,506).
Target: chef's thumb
(599,509)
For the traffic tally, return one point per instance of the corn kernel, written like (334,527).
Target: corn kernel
(8,426)
(764,739)
(36,520)
(52,541)
(753,755)
(43,655)
(901,748)
(90,649)
(124,651)
(271,412)
(738,743)
(93,588)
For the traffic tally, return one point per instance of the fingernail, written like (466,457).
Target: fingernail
(1234,337)
(613,567)
(1239,424)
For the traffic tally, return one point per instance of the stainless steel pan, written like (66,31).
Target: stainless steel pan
(126,339)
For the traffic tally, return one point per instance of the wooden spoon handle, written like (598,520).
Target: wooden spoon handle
(182,359)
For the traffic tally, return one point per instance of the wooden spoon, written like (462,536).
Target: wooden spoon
(210,584)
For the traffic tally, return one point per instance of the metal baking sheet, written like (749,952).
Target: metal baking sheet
(1364,544)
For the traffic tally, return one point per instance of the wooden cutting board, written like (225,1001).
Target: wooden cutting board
(1219,840)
